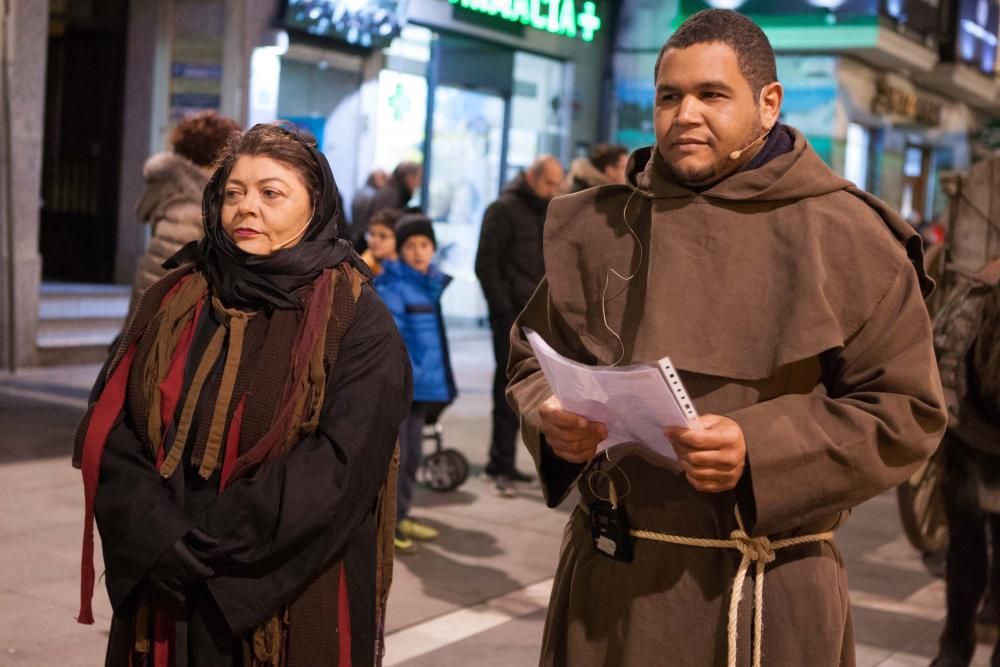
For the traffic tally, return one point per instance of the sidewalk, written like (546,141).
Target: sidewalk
(477,596)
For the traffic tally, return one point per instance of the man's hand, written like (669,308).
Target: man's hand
(570,436)
(713,460)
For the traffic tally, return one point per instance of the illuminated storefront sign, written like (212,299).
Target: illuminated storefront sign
(364,23)
(559,17)
(976,34)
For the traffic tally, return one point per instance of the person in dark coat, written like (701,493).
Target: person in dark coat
(411,288)
(398,190)
(604,166)
(396,193)
(967,343)
(238,450)
(363,198)
(509,266)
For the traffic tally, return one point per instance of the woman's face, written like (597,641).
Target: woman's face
(382,242)
(266,205)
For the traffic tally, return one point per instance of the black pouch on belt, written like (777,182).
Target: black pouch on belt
(609,528)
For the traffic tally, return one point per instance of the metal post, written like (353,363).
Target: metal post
(8,355)
(432,81)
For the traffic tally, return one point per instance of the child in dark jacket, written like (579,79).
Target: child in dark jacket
(411,288)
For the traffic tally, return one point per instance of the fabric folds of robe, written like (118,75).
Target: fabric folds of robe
(789,302)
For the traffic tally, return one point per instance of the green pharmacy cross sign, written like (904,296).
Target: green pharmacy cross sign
(559,17)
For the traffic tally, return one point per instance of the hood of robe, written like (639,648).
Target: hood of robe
(768,267)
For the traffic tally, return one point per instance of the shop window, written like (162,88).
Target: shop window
(914,200)
(400,119)
(856,154)
(540,118)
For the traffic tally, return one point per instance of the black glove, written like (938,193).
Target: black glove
(177,569)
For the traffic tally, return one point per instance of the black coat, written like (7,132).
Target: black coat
(509,263)
(309,507)
(361,207)
(394,194)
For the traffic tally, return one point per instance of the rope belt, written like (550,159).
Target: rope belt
(759,550)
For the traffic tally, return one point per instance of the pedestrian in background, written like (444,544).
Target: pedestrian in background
(174,183)
(396,193)
(381,239)
(605,165)
(242,434)
(362,203)
(509,266)
(411,288)
(792,306)
(967,342)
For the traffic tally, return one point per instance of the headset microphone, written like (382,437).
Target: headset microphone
(735,155)
(279,246)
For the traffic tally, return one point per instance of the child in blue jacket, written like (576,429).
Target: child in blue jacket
(411,288)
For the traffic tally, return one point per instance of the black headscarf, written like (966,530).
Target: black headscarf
(246,281)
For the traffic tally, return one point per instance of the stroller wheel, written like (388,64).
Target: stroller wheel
(445,470)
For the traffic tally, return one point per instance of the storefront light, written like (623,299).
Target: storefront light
(979,32)
(559,17)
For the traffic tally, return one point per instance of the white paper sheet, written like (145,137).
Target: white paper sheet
(635,402)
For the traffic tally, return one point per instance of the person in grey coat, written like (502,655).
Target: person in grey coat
(175,180)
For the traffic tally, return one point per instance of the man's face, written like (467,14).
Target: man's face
(704,111)
(547,183)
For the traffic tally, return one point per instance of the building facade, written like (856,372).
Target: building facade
(473,90)
(890,94)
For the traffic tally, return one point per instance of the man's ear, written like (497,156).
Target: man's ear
(769,106)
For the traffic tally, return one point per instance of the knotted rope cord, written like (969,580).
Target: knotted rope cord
(759,550)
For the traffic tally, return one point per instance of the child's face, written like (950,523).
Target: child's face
(418,252)
(382,242)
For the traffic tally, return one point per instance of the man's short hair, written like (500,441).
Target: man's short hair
(603,156)
(753,50)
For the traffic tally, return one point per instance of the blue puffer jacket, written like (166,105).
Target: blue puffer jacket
(414,299)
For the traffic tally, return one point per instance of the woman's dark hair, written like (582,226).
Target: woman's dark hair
(746,39)
(279,142)
(606,155)
(387,217)
(200,136)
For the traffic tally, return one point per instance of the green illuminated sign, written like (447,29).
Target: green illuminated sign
(559,17)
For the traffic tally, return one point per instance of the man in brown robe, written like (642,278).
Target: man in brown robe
(792,305)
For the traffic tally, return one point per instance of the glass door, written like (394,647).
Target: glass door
(465,156)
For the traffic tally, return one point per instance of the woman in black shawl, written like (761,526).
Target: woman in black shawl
(240,439)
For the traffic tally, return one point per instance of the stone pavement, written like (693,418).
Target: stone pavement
(477,596)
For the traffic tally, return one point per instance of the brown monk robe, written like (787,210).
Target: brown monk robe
(816,342)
